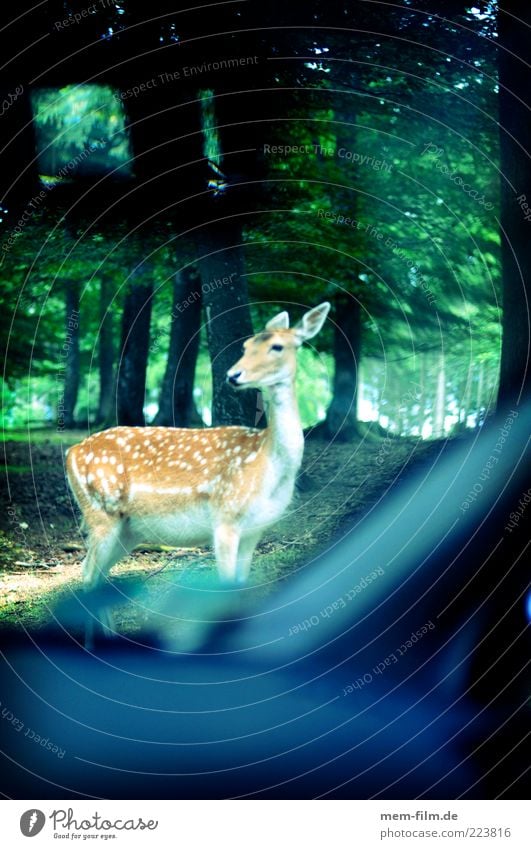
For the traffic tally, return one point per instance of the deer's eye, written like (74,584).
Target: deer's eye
(276,348)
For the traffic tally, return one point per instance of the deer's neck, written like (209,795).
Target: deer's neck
(285,440)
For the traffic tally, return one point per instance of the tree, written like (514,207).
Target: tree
(132,365)
(424,262)
(70,355)
(341,416)
(176,400)
(223,281)
(227,318)
(514,23)
(105,350)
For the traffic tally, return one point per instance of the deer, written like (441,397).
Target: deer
(223,486)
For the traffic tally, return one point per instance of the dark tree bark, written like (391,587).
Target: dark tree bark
(228,320)
(136,318)
(105,351)
(68,398)
(515,131)
(18,145)
(341,418)
(439,404)
(176,402)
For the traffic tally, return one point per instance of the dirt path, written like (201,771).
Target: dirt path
(41,548)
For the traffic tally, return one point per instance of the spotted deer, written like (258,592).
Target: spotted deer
(185,487)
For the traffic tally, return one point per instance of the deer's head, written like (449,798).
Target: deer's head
(270,357)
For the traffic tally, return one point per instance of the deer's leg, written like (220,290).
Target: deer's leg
(226,542)
(108,542)
(245,556)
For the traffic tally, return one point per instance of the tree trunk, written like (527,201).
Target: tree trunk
(228,320)
(105,351)
(514,60)
(68,398)
(131,383)
(341,418)
(176,402)
(397,394)
(422,395)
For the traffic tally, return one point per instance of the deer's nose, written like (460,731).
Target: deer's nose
(233,377)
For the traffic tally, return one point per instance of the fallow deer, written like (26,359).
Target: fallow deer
(183,486)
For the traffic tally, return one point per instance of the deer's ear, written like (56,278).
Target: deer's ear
(279,322)
(312,321)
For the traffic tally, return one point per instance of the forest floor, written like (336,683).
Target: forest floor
(41,547)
